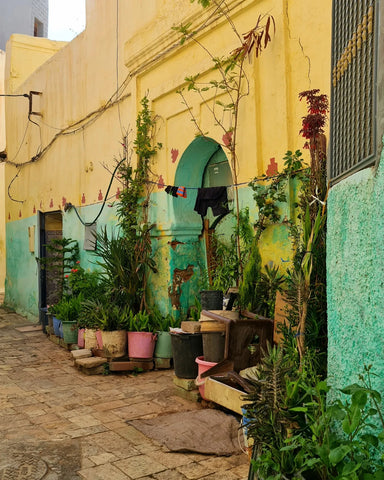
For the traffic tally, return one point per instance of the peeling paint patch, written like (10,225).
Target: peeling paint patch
(174,154)
(272,167)
(179,277)
(174,244)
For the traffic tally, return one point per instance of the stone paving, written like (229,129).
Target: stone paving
(57,423)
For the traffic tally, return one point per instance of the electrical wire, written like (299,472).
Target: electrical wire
(14,95)
(9,187)
(12,162)
(88,224)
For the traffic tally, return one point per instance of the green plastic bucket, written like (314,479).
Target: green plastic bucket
(69,332)
(163,347)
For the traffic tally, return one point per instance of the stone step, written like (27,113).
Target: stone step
(81,353)
(91,365)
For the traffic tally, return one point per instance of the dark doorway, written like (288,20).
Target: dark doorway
(51,227)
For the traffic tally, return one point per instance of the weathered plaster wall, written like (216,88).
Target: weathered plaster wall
(146,57)
(2,168)
(355,282)
(21,284)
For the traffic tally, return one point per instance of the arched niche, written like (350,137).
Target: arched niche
(193,172)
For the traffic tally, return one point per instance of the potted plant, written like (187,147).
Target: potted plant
(141,339)
(163,348)
(67,311)
(89,285)
(110,319)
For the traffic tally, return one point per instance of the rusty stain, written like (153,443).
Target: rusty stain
(174,244)
(179,277)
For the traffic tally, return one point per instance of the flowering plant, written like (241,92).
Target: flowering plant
(84,282)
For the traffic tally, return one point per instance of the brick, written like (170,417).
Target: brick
(130,365)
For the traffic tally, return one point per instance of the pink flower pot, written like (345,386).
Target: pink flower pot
(203,366)
(141,344)
(80,338)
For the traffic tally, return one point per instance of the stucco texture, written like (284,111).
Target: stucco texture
(90,95)
(355,261)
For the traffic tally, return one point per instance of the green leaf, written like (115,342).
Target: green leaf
(350,468)
(351,421)
(299,409)
(371,439)
(350,389)
(359,398)
(371,412)
(337,454)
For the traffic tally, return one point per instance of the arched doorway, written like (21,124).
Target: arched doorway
(203,164)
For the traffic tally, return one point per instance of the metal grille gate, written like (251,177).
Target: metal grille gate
(353,99)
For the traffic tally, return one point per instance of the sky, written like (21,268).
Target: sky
(66,19)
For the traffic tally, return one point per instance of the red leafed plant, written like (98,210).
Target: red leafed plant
(313,131)
(318,107)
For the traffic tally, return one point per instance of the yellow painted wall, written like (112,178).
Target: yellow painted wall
(91,91)
(2,192)
(83,76)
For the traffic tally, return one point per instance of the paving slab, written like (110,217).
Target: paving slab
(58,423)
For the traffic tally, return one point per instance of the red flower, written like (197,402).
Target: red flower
(66,276)
(74,270)
(78,261)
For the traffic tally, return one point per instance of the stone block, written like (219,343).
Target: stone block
(90,362)
(91,365)
(162,363)
(83,353)
(187,384)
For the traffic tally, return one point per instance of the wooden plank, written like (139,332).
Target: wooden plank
(223,395)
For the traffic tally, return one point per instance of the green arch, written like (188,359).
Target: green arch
(189,174)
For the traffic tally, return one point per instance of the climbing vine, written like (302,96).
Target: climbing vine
(133,207)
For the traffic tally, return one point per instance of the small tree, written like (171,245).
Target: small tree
(231,80)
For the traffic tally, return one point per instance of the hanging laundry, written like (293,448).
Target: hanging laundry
(214,197)
(171,190)
(181,192)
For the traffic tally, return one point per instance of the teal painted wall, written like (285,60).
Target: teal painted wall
(355,277)
(21,282)
(177,242)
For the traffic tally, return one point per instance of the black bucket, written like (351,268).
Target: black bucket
(213,346)
(185,348)
(211,299)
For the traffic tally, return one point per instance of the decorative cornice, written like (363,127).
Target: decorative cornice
(139,60)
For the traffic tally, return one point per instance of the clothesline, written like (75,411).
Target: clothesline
(263,178)
(195,188)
